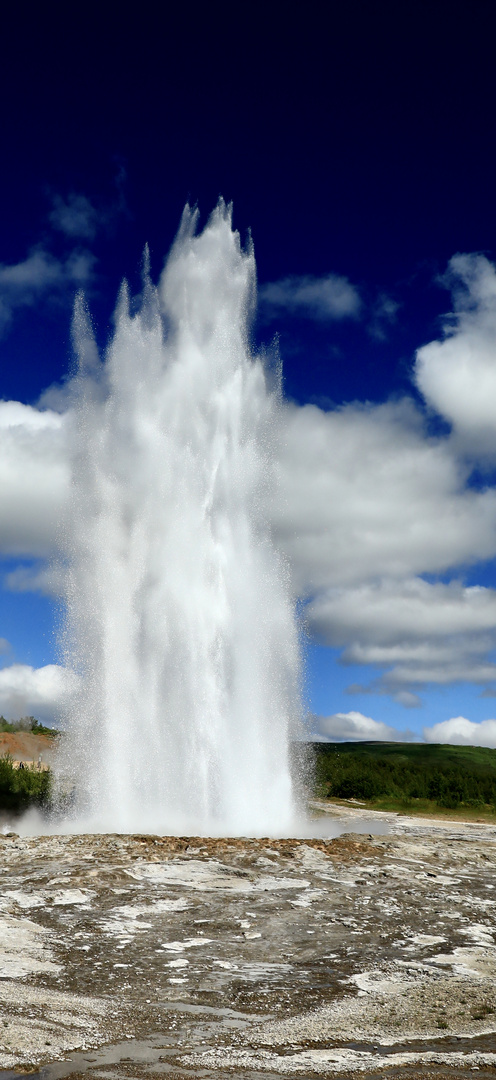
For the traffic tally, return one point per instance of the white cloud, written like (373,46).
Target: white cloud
(355,727)
(420,632)
(323,298)
(457,375)
(46,579)
(34,479)
(394,615)
(462,732)
(75,216)
(40,692)
(23,284)
(369,503)
(41,271)
(366,494)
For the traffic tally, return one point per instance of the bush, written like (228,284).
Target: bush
(20,788)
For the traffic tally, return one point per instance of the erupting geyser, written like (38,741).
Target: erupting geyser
(179,617)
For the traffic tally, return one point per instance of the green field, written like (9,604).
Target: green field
(412,777)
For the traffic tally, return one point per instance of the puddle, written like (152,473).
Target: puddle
(326,826)
(169,1052)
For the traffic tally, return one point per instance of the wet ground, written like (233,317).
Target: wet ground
(363,955)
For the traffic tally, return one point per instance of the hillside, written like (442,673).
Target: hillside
(414,776)
(27,746)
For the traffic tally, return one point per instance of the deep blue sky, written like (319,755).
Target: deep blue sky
(356,139)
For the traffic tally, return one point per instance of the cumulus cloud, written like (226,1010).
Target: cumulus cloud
(419,632)
(323,298)
(366,494)
(390,612)
(23,284)
(369,503)
(34,479)
(462,732)
(355,727)
(40,692)
(457,375)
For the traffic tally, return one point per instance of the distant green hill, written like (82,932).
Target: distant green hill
(418,776)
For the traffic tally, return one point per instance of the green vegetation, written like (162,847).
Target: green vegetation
(27,785)
(27,723)
(408,776)
(20,788)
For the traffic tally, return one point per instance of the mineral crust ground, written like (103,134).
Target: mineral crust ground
(141,956)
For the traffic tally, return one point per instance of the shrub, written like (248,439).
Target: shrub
(20,788)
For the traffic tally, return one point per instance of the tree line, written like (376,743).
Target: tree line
(449,777)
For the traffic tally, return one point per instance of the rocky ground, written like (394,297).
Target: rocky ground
(364,955)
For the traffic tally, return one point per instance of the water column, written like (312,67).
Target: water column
(179,615)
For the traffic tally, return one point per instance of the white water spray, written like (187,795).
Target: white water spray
(179,618)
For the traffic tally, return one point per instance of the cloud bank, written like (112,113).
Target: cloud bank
(367,493)
(354,727)
(40,692)
(34,479)
(420,633)
(461,732)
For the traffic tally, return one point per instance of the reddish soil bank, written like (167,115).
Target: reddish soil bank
(27,746)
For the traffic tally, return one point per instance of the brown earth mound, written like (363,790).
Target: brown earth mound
(27,746)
